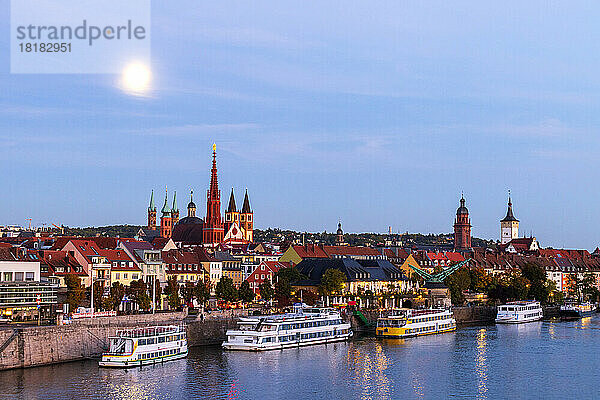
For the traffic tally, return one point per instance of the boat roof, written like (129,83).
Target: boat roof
(520,302)
(415,312)
(147,332)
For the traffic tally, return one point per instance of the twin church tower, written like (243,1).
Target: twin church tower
(238,226)
(509,226)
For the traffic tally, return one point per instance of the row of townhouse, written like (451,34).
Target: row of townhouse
(560,265)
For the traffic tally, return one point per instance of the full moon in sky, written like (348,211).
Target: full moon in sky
(136,79)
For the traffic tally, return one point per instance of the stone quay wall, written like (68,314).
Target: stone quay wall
(474,314)
(87,338)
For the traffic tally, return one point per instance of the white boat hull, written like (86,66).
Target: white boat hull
(516,321)
(139,363)
(281,346)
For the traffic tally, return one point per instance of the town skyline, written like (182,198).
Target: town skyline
(324,117)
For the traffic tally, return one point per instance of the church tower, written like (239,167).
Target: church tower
(462,227)
(213,224)
(175,210)
(166,222)
(191,205)
(246,219)
(339,236)
(152,213)
(509,226)
(232,215)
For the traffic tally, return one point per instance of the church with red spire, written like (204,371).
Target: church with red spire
(236,227)
(213,231)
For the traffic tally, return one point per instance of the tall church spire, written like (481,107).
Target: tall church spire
(174,208)
(246,207)
(166,209)
(231,207)
(213,224)
(152,207)
(214,181)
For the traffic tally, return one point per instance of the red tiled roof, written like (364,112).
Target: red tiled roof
(6,254)
(121,258)
(56,258)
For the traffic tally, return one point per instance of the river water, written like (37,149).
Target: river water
(539,360)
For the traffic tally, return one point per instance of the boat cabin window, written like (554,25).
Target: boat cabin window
(267,327)
(246,327)
(121,346)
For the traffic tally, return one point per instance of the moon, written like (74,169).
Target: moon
(136,79)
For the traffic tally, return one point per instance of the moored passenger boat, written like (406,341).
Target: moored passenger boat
(305,327)
(575,310)
(518,312)
(408,322)
(143,346)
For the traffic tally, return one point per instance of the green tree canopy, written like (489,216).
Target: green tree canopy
(266,290)
(75,291)
(138,291)
(458,282)
(202,291)
(225,289)
(98,296)
(245,293)
(332,281)
(117,292)
(172,292)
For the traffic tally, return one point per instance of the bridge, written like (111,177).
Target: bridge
(440,276)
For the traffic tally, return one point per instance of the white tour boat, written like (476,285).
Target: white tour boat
(143,346)
(406,322)
(518,312)
(304,327)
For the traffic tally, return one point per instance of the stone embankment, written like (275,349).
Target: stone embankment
(35,346)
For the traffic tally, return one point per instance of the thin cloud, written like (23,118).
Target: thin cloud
(186,130)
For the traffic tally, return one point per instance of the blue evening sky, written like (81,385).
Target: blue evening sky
(375,113)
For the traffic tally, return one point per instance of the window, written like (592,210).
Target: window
(134,276)
(29,276)
(124,276)
(117,276)
(8,276)
(18,276)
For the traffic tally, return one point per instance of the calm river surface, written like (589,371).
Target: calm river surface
(539,360)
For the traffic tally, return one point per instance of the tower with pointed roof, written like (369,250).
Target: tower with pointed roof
(247,220)
(166,220)
(213,224)
(509,225)
(152,213)
(462,227)
(175,210)
(232,215)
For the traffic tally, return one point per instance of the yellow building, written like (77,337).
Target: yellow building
(408,271)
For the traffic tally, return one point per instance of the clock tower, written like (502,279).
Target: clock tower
(509,226)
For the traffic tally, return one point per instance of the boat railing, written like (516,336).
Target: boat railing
(148,332)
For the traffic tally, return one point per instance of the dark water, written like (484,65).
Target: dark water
(540,360)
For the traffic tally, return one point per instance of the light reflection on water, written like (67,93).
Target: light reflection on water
(540,360)
(480,364)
